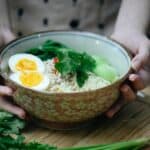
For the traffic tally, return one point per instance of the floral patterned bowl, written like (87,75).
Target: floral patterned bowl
(62,110)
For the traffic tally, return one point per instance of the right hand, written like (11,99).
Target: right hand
(139,46)
(6,92)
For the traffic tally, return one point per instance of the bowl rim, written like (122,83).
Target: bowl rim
(77,33)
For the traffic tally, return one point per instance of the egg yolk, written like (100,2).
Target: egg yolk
(26,65)
(31,79)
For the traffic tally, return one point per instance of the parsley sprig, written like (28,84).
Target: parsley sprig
(9,124)
(70,61)
(10,137)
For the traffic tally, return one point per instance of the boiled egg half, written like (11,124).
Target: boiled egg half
(25,62)
(33,80)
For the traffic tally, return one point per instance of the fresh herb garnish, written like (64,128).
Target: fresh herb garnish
(70,61)
(81,77)
(10,138)
(9,124)
(47,50)
(17,142)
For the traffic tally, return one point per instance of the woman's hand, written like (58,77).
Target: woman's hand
(138,46)
(5,92)
(6,104)
(130,31)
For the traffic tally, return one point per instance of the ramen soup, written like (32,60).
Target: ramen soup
(54,67)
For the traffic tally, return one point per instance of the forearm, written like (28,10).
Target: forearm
(5,32)
(4,19)
(134,16)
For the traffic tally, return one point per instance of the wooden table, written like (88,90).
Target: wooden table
(133,121)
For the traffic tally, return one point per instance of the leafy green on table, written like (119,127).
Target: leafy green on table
(70,61)
(10,138)
(18,143)
(10,143)
(9,124)
(10,127)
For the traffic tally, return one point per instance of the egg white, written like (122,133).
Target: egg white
(41,86)
(13,60)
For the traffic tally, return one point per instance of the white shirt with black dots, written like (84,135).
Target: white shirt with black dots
(26,16)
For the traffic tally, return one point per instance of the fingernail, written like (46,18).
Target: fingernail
(135,65)
(22,114)
(9,92)
(124,89)
(110,114)
(132,77)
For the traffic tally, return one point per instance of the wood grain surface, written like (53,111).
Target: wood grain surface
(133,121)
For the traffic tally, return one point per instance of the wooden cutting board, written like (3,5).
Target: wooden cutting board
(133,121)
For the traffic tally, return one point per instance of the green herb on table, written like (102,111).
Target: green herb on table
(9,124)
(70,61)
(9,143)
(18,143)
(10,140)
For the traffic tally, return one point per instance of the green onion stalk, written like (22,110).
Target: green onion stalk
(137,144)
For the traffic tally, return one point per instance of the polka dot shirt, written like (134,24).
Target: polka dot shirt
(26,16)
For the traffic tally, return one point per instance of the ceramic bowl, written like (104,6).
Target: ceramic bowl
(58,110)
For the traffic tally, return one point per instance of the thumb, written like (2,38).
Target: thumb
(142,57)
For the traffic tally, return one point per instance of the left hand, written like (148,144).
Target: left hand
(139,46)
(6,92)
